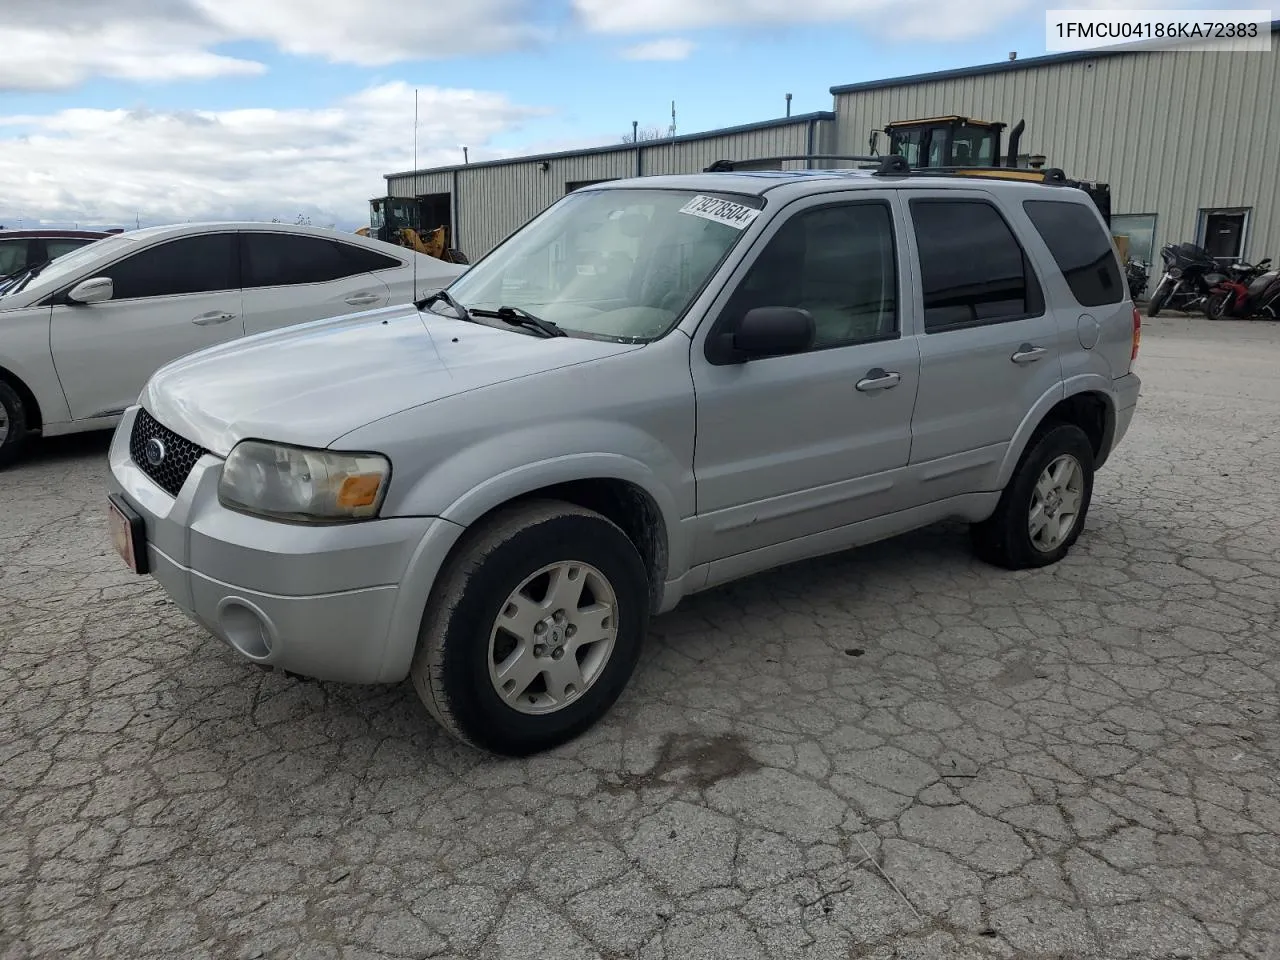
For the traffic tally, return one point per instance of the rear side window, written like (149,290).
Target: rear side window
(284,259)
(1081,249)
(360,260)
(200,264)
(973,269)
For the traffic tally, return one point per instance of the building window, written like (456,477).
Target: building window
(1140,229)
(1224,232)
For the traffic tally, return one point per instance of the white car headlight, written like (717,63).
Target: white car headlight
(311,486)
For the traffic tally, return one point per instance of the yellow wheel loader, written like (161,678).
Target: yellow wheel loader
(398,220)
(969,147)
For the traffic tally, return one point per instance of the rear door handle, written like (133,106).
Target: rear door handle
(206,319)
(359,299)
(1028,354)
(878,379)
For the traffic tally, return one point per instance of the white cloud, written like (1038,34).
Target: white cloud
(56,44)
(378,32)
(669,48)
(898,19)
(108,165)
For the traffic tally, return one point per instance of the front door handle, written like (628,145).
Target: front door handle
(360,299)
(878,379)
(1028,354)
(205,319)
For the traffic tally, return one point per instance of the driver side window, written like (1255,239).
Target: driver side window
(837,262)
(205,263)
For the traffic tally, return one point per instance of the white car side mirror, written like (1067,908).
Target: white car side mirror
(93,290)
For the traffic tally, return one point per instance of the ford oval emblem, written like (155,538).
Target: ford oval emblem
(154,452)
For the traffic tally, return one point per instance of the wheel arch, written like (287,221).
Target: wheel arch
(35,416)
(619,488)
(1085,403)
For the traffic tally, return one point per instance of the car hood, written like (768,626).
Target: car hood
(312,383)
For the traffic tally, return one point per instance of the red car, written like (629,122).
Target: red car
(20,249)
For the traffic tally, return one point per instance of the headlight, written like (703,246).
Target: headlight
(1175,272)
(312,486)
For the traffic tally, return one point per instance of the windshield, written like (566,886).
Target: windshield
(621,263)
(65,266)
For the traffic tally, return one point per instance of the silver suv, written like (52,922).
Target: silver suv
(656,386)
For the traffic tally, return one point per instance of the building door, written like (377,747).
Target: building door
(1223,233)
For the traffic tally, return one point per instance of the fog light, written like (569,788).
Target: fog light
(246,628)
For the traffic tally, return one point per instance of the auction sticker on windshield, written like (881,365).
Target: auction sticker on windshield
(721,211)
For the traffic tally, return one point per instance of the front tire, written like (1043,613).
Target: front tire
(533,630)
(1044,507)
(13,424)
(1159,298)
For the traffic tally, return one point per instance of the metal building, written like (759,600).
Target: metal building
(1188,142)
(485,201)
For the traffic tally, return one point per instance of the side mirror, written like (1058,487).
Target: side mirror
(767,332)
(94,290)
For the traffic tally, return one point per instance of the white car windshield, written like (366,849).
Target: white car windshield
(617,263)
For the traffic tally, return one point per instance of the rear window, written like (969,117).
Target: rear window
(1081,248)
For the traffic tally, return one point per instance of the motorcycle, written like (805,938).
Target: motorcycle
(1245,291)
(1183,285)
(1135,272)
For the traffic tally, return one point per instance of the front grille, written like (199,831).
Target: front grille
(178,458)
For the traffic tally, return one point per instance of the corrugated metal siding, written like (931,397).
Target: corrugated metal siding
(695,156)
(495,201)
(420,185)
(1164,129)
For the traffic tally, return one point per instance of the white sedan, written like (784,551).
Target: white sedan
(80,336)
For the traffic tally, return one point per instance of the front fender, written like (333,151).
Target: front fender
(26,358)
(475,501)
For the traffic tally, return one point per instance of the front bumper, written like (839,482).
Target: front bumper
(340,603)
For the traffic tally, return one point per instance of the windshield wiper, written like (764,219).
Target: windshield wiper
(523,318)
(444,296)
(16,281)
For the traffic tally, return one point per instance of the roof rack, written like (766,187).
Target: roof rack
(884,165)
(895,165)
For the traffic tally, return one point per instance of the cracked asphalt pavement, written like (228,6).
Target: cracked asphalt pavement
(896,752)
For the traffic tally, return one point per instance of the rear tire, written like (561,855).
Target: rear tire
(507,663)
(1053,485)
(13,424)
(1158,299)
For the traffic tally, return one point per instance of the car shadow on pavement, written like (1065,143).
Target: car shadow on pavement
(42,451)
(326,743)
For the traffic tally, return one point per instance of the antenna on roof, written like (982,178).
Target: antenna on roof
(672,131)
(415,168)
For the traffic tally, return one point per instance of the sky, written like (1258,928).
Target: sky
(128,112)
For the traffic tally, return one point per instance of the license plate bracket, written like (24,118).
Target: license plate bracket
(128,533)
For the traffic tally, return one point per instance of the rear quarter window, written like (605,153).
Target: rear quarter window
(1081,249)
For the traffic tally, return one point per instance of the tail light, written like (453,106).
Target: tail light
(1137,335)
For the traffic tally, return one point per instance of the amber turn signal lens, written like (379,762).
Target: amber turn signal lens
(359,491)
